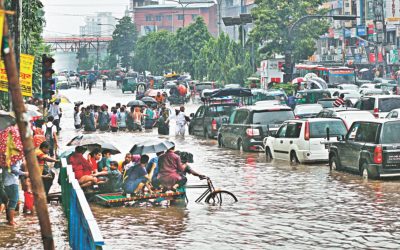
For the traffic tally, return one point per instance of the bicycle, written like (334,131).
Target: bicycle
(214,196)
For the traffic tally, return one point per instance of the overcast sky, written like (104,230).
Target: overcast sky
(63,18)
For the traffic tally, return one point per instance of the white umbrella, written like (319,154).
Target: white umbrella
(309,76)
(364,70)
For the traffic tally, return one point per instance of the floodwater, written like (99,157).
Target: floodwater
(280,206)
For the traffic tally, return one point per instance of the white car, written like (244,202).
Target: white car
(379,105)
(300,141)
(351,95)
(307,110)
(348,115)
(348,87)
(366,86)
(394,114)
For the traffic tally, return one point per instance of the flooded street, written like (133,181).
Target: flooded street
(280,206)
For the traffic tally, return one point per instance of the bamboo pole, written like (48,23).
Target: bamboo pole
(26,139)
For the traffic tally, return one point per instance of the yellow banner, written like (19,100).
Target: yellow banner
(25,75)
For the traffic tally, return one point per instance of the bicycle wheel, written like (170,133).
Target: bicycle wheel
(220,197)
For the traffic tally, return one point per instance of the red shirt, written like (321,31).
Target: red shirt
(169,167)
(80,165)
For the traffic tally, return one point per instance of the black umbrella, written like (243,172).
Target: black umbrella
(149,99)
(136,103)
(151,147)
(93,141)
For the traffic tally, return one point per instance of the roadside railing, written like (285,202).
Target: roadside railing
(84,233)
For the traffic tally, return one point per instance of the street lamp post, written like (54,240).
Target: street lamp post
(289,48)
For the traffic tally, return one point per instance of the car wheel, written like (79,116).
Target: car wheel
(368,172)
(293,158)
(334,164)
(268,154)
(220,143)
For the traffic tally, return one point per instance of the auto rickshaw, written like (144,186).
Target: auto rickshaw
(129,84)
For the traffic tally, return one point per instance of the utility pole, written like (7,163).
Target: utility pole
(380,29)
(16,6)
(97,53)
(26,139)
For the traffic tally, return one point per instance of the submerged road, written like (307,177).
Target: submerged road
(280,206)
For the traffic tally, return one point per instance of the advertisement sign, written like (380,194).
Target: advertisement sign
(361,30)
(25,75)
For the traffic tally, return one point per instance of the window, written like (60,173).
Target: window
(388,104)
(200,112)
(366,132)
(391,133)
(282,131)
(395,114)
(293,130)
(158,18)
(229,3)
(318,129)
(367,104)
(241,117)
(272,117)
(194,16)
(169,17)
(232,117)
(180,17)
(221,110)
(148,18)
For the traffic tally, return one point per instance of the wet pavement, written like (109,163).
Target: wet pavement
(280,206)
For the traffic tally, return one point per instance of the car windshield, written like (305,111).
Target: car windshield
(268,96)
(222,110)
(388,104)
(340,78)
(390,132)
(307,109)
(349,87)
(318,129)
(272,117)
(326,103)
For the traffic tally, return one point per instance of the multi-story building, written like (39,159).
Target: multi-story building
(101,24)
(233,8)
(150,18)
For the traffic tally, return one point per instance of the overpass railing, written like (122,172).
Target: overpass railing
(84,233)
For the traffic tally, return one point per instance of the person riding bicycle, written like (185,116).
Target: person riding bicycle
(172,171)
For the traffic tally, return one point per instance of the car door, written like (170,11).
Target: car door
(366,134)
(239,127)
(198,121)
(292,138)
(226,130)
(277,145)
(343,148)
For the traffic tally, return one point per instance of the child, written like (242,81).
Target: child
(137,177)
(114,178)
(114,121)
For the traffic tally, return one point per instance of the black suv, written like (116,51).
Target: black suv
(209,117)
(370,148)
(248,126)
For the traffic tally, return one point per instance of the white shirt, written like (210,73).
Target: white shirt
(180,119)
(77,118)
(48,125)
(54,110)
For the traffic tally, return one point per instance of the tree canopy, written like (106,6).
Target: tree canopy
(124,40)
(272,19)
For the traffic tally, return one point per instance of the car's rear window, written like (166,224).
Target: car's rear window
(200,87)
(221,110)
(326,103)
(308,109)
(272,117)
(388,104)
(390,132)
(318,129)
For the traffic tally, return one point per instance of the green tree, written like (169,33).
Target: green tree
(123,43)
(272,20)
(86,64)
(155,52)
(188,44)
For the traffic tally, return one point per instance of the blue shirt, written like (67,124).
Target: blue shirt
(104,163)
(12,177)
(136,172)
(148,168)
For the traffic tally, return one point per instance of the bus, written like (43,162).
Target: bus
(332,75)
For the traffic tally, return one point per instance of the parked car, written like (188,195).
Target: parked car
(348,115)
(268,95)
(371,92)
(209,117)
(300,141)
(327,102)
(394,114)
(74,80)
(351,95)
(307,110)
(370,148)
(366,86)
(248,126)
(379,105)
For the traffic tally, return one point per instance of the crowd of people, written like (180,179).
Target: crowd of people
(135,175)
(122,118)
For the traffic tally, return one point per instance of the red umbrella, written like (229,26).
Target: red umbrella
(182,90)
(298,80)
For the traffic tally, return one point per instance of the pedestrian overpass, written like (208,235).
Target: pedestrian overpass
(74,44)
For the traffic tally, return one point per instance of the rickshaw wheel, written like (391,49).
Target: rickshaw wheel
(220,197)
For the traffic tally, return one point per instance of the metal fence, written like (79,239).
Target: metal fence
(83,230)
